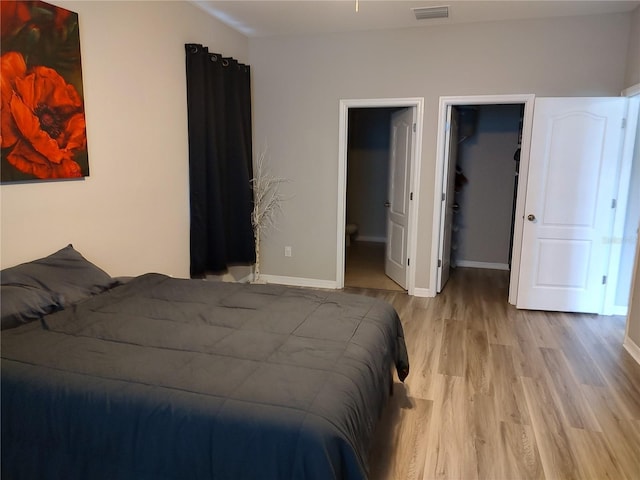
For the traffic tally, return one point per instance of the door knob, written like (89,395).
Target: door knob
(531,217)
(387,204)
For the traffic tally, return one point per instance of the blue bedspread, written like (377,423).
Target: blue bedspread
(163,378)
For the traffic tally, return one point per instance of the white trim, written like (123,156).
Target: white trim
(631,347)
(622,195)
(417,103)
(621,310)
(424,292)
(299,281)
(628,343)
(445,102)
(610,308)
(487,265)
(631,91)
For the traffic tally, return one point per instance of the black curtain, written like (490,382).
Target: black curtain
(220,168)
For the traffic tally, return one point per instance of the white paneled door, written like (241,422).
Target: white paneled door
(399,195)
(570,202)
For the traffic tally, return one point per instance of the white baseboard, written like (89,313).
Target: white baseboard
(633,348)
(487,265)
(327,284)
(300,282)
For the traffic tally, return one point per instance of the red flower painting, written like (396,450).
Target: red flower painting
(43,133)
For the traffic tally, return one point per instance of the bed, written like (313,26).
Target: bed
(164,378)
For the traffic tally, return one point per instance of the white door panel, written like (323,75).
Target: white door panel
(399,191)
(397,254)
(568,210)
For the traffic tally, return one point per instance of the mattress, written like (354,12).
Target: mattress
(164,378)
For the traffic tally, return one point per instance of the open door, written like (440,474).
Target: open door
(447,212)
(570,203)
(399,192)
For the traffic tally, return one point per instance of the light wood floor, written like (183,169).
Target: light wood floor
(500,393)
(364,267)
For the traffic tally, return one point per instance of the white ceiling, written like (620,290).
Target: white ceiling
(262,18)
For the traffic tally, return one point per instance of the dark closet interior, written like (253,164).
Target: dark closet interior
(487,164)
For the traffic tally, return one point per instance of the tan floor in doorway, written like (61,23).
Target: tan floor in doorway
(364,267)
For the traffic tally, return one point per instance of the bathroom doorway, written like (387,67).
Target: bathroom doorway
(368,152)
(392,190)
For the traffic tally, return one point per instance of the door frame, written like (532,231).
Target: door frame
(417,103)
(441,163)
(611,306)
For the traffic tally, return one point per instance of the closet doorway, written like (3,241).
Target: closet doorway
(485,183)
(478,200)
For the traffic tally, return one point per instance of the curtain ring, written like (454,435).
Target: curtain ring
(213,57)
(194,48)
(225,62)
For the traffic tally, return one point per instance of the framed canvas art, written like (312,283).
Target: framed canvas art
(42,127)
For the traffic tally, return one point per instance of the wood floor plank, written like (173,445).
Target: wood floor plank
(497,393)
(424,339)
(499,321)
(484,431)
(621,374)
(621,435)
(595,458)
(527,357)
(543,334)
(450,446)
(519,452)
(478,368)
(405,422)
(570,341)
(510,401)
(451,361)
(551,438)
(567,393)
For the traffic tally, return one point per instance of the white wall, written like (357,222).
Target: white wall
(132,214)
(632,76)
(486,201)
(299,80)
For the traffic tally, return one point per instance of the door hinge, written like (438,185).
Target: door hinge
(408,262)
(624,123)
(614,203)
(439,263)
(444,196)
(604,279)
(411,196)
(414,127)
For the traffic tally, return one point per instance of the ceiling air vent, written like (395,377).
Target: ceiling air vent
(425,13)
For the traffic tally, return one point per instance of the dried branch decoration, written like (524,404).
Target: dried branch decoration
(267,203)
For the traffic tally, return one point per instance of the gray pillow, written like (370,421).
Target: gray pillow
(66,275)
(22,304)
